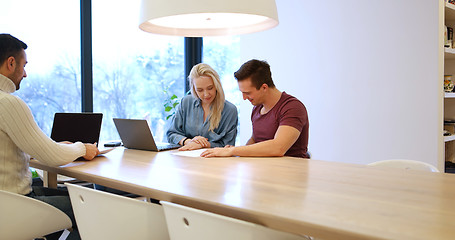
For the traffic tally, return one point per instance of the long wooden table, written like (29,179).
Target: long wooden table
(328,200)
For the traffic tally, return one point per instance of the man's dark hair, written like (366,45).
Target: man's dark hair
(258,71)
(10,46)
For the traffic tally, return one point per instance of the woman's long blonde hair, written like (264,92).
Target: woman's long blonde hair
(217,105)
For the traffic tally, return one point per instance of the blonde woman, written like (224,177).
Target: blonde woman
(204,119)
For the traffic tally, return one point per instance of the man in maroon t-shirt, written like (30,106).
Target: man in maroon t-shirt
(280,121)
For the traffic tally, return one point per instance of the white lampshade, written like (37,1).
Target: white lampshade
(200,18)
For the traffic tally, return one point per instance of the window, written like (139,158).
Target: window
(134,72)
(53,53)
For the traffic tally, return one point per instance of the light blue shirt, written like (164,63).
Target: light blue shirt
(188,121)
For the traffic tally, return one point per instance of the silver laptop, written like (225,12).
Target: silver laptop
(136,134)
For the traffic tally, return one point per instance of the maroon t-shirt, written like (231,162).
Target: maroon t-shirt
(288,111)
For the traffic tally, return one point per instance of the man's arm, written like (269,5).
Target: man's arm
(28,137)
(250,141)
(284,138)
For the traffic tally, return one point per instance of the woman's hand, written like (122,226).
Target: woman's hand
(190,145)
(204,142)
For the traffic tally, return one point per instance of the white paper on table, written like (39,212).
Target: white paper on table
(193,153)
(106,151)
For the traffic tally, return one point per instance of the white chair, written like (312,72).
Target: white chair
(185,223)
(102,215)
(405,164)
(23,217)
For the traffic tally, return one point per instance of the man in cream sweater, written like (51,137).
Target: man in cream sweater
(20,136)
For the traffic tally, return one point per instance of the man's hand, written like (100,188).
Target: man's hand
(91,151)
(218,152)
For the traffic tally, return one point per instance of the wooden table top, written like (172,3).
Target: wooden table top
(323,199)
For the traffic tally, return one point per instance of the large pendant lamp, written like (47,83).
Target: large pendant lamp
(200,18)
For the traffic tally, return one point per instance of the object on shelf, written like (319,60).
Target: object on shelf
(450,167)
(448,83)
(449,37)
(450,151)
(449,127)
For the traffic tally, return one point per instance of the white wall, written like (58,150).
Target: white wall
(367,72)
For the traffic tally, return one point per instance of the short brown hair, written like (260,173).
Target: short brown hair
(258,71)
(10,46)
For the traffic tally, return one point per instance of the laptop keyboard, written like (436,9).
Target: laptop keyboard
(167,146)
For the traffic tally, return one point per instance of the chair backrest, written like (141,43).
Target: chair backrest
(406,164)
(23,217)
(102,215)
(185,223)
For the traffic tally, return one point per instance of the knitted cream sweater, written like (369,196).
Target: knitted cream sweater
(21,138)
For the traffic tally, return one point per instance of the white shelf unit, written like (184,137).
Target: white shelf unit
(449,69)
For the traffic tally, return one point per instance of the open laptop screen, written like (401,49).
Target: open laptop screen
(136,134)
(77,127)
